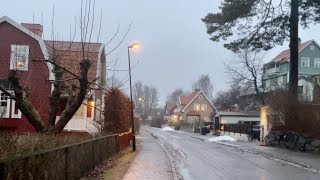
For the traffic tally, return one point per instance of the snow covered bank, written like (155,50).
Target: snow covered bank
(222,138)
(167,129)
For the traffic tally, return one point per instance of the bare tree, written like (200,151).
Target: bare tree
(228,100)
(174,95)
(146,98)
(246,70)
(138,95)
(204,84)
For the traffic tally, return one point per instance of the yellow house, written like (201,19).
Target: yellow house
(194,107)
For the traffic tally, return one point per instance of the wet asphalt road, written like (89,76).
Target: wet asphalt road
(198,159)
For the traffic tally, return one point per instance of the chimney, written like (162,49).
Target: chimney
(35,28)
(197,90)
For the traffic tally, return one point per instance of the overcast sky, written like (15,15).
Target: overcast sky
(176,49)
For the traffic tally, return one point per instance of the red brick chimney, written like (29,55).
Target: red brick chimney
(35,28)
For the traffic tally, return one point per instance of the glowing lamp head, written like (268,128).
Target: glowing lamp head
(135,45)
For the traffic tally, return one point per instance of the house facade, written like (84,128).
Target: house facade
(194,107)
(276,72)
(20,46)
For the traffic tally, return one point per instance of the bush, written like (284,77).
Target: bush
(286,114)
(157,123)
(117,112)
(15,145)
(177,126)
(196,129)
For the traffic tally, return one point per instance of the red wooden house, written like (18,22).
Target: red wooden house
(20,45)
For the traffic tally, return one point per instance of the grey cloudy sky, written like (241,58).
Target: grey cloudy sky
(176,49)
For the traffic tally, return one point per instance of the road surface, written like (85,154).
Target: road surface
(198,159)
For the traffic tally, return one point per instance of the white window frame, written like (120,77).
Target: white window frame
(13,114)
(311,48)
(268,83)
(195,107)
(15,54)
(6,113)
(316,63)
(305,61)
(205,107)
(280,80)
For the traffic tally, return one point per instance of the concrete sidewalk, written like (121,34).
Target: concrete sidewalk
(304,160)
(151,162)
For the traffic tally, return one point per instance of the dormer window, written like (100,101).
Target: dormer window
(19,57)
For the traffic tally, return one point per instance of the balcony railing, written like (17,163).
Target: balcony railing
(81,124)
(271,71)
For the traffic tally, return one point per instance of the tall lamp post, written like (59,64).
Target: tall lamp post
(134,45)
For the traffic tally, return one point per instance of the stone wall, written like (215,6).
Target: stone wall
(293,141)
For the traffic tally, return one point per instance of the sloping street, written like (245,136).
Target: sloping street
(197,159)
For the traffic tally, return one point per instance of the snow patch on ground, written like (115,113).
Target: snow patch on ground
(167,129)
(222,138)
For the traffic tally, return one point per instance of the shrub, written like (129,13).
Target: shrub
(157,123)
(286,114)
(196,129)
(117,115)
(177,126)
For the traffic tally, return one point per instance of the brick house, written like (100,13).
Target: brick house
(20,45)
(194,107)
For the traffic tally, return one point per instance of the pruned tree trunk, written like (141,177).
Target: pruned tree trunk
(55,97)
(23,104)
(294,48)
(75,99)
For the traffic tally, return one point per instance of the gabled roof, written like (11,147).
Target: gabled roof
(69,54)
(185,101)
(73,46)
(33,35)
(285,55)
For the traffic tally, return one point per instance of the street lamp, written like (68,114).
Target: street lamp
(134,45)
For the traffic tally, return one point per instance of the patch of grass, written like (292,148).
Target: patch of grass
(115,167)
(120,168)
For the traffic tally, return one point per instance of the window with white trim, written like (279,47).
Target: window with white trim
(311,48)
(19,59)
(4,105)
(280,80)
(268,83)
(197,107)
(200,97)
(204,107)
(15,112)
(305,62)
(316,63)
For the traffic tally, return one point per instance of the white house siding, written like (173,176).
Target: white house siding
(236,119)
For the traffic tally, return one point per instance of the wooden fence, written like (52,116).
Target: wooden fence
(66,162)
